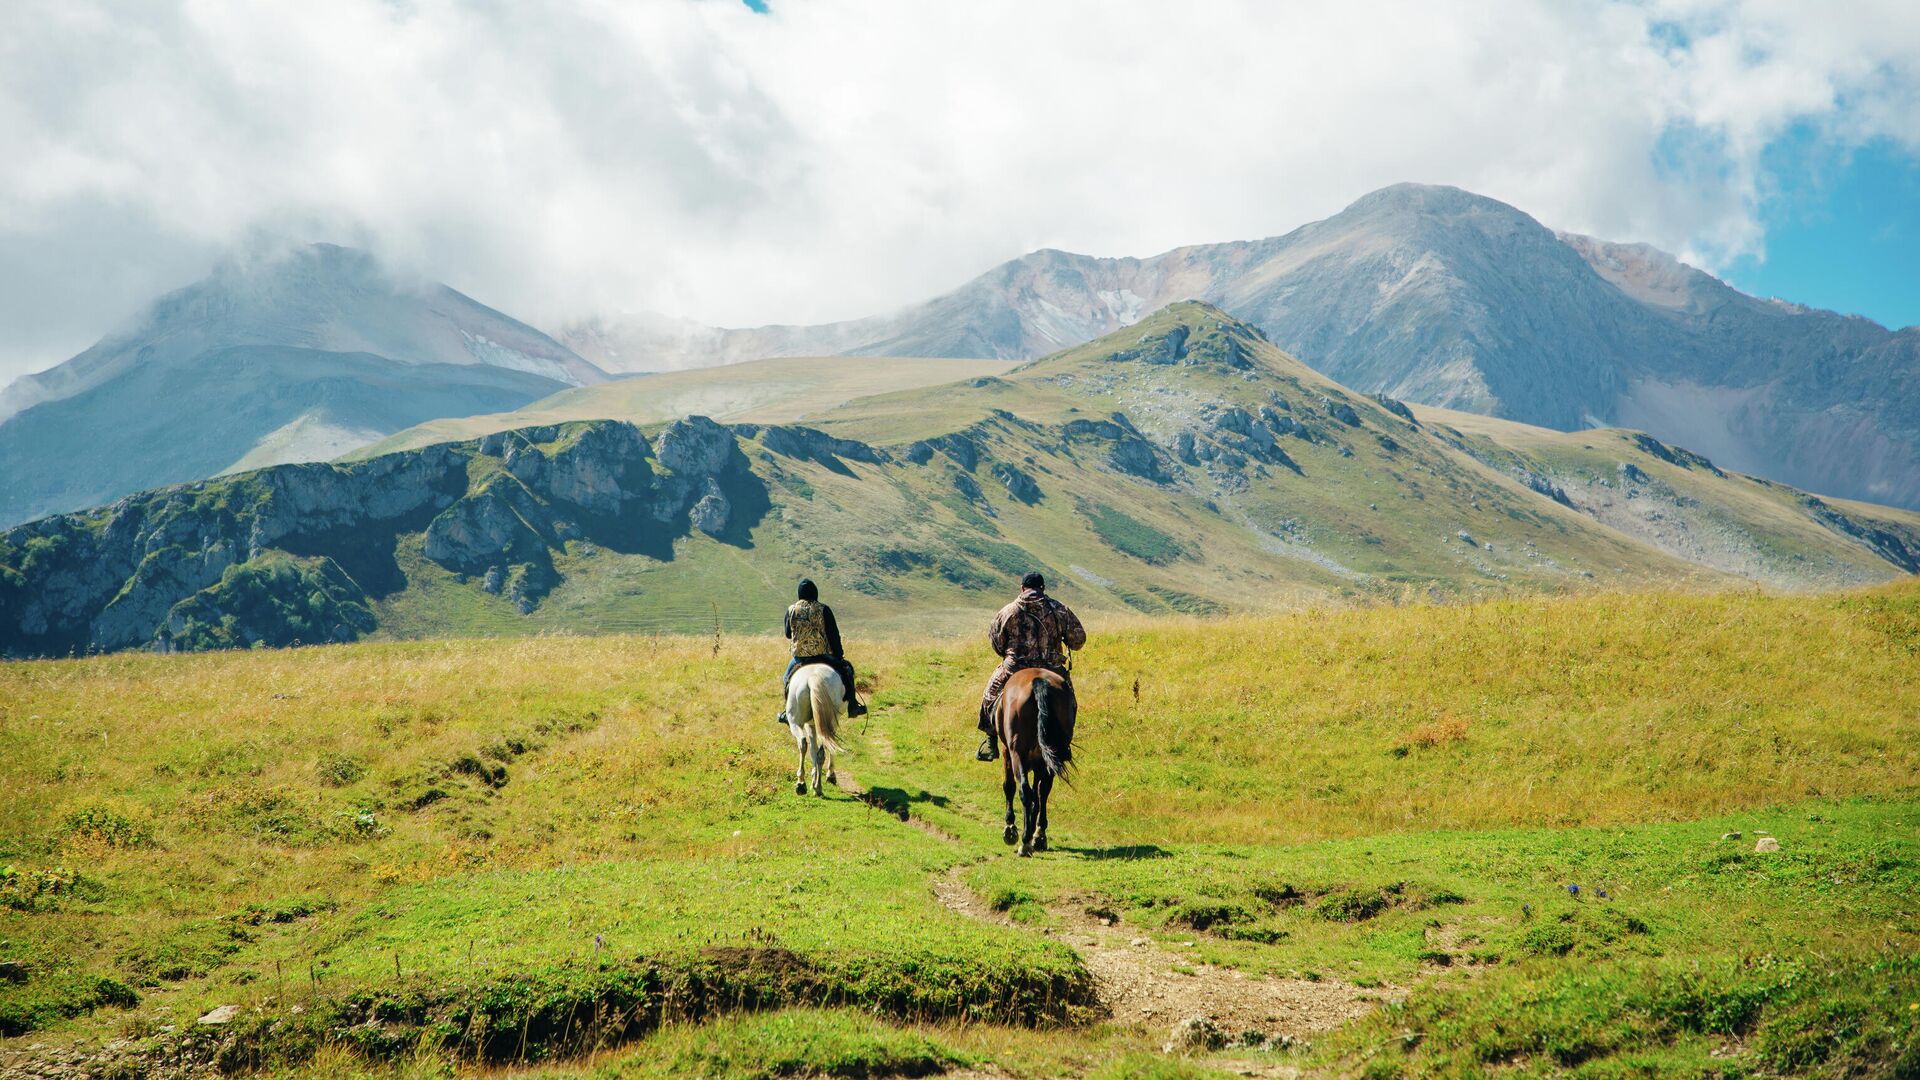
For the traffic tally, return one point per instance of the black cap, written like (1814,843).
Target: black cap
(1034,581)
(808,591)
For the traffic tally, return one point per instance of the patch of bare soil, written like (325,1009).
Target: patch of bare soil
(1146,984)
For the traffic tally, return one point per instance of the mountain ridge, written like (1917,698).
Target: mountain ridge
(1185,464)
(300,355)
(1443,297)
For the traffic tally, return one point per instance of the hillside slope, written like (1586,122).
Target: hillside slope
(1182,466)
(295,359)
(1441,297)
(778,391)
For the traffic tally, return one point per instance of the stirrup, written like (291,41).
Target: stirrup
(989,750)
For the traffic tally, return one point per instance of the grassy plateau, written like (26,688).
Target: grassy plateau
(1607,835)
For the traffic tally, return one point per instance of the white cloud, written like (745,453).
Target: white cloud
(837,158)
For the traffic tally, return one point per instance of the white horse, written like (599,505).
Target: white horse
(813,715)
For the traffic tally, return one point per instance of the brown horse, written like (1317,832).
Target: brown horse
(1035,716)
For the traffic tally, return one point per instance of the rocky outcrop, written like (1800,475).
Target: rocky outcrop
(1239,430)
(1882,540)
(478,532)
(711,514)
(1397,408)
(1206,343)
(1127,451)
(807,444)
(1673,455)
(206,565)
(1018,484)
(1341,411)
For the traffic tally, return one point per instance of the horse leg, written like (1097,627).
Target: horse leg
(1029,801)
(819,761)
(1044,788)
(1006,770)
(800,774)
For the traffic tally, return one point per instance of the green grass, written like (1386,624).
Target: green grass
(587,851)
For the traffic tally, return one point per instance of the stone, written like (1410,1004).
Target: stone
(1766,843)
(1197,1033)
(13,971)
(1730,836)
(1341,411)
(694,446)
(476,532)
(1135,456)
(806,443)
(1018,484)
(710,514)
(1397,408)
(222,1014)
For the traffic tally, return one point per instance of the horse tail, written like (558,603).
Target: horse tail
(1056,756)
(826,712)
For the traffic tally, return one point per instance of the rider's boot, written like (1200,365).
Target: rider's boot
(782,718)
(989,750)
(854,708)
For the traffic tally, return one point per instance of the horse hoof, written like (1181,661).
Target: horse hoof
(1026,851)
(1010,835)
(1039,843)
(800,788)
(833,778)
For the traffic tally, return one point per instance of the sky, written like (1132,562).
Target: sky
(830,159)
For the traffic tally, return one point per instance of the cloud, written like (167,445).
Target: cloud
(835,158)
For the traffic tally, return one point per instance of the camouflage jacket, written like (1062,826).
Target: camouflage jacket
(811,627)
(1034,627)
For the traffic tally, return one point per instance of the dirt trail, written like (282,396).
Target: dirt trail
(1144,983)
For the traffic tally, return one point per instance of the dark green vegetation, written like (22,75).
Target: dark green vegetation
(586,853)
(1183,466)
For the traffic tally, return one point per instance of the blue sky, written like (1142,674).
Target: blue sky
(1842,230)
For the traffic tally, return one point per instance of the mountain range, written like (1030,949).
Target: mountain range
(1184,464)
(1440,297)
(298,357)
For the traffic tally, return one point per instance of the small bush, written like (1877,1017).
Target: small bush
(39,890)
(339,770)
(1359,905)
(1446,731)
(102,824)
(1208,915)
(1008,897)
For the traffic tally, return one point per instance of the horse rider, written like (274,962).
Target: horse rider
(1030,632)
(816,640)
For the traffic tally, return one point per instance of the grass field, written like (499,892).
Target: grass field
(583,856)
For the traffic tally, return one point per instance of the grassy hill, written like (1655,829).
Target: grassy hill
(779,391)
(585,853)
(1185,466)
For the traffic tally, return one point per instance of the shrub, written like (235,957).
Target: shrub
(339,770)
(102,824)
